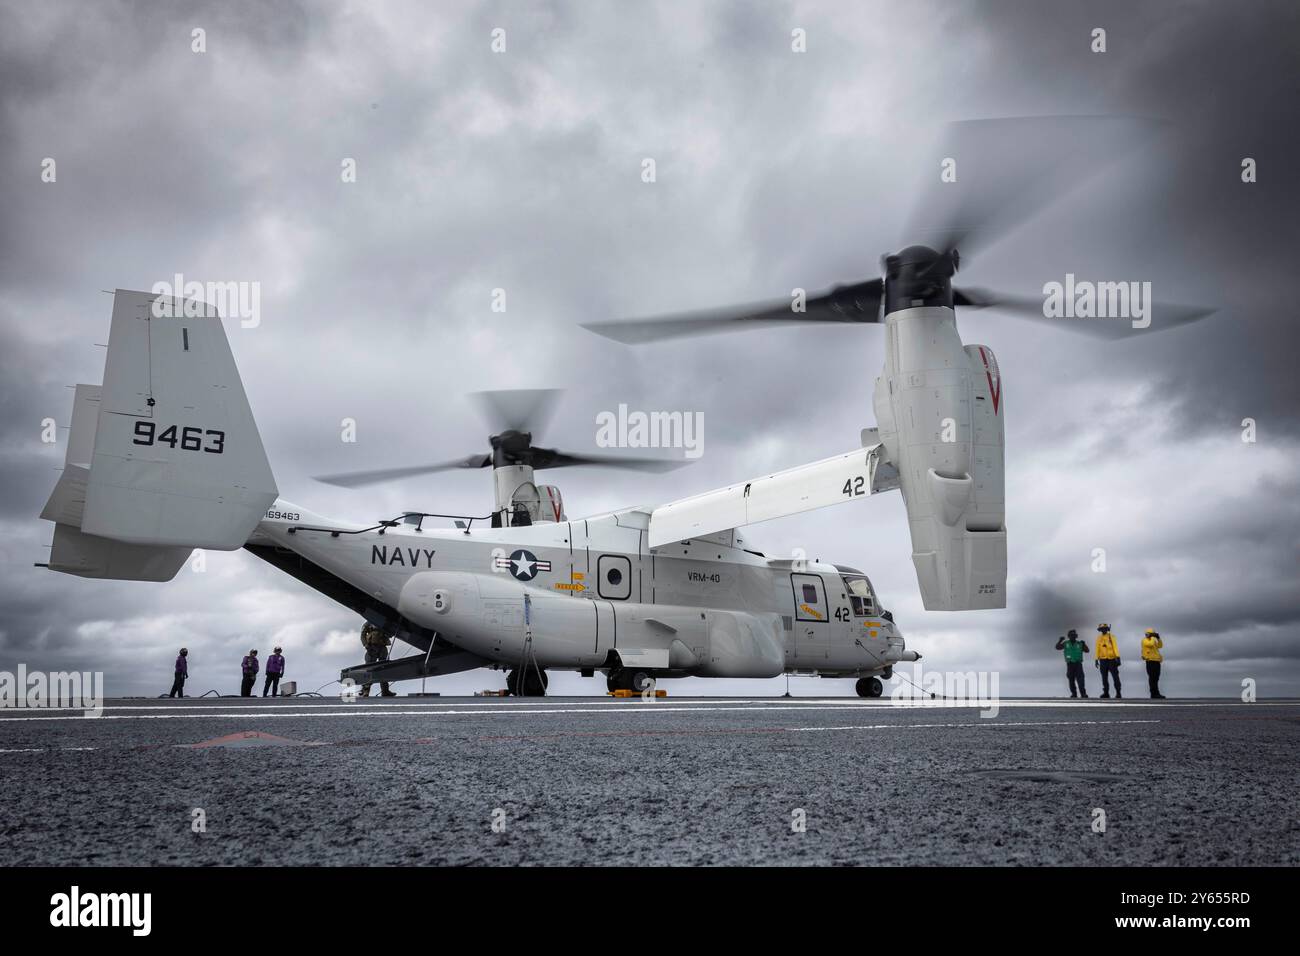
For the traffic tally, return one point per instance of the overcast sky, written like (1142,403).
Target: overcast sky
(521,170)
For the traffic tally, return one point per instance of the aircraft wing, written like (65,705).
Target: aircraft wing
(841,478)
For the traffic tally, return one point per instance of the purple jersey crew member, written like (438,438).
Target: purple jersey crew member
(182,672)
(250,668)
(274,671)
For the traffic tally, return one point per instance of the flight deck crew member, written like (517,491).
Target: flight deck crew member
(274,671)
(1074,650)
(376,643)
(1106,660)
(182,672)
(1151,645)
(250,674)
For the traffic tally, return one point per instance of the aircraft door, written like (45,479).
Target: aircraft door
(811,618)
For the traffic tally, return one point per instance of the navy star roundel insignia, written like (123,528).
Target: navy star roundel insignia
(523,565)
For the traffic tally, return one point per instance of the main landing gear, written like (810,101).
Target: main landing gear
(533,684)
(629,679)
(869,687)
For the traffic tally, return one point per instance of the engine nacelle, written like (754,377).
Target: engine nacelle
(939,411)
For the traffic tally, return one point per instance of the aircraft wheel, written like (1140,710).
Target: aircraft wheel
(611,681)
(640,682)
(869,687)
(534,685)
(512,684)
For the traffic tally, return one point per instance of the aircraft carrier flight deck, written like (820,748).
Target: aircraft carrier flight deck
(672,781)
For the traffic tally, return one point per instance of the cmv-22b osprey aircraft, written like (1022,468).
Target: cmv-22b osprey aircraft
(165,457)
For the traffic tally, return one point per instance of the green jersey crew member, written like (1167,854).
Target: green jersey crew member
(1074,650)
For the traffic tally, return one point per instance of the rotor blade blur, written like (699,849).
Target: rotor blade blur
(1162,315)
(517,409)
(551,458)
(359,479)
(856,303)
(1005,171)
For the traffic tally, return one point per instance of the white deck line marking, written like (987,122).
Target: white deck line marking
(615,703)
(503,702)
(642,708)
(983,723)
(522,711)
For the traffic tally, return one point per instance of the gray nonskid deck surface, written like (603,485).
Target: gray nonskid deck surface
(680,781)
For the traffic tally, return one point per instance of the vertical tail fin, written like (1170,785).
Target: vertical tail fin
(173,458)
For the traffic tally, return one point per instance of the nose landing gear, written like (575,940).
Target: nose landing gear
(869,687)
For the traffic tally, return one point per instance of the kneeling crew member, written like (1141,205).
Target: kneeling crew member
(1107,660)
(1151,645)
(1074,650)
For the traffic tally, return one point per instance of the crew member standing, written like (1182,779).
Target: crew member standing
(250,674)
(376,643)
(1074,650)
(182,672)
(274,671)
(1107,660)
(1151,645)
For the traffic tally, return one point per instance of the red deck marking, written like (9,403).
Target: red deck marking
(251,738)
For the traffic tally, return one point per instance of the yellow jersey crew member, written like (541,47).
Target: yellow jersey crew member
(1151,645)
(1106,659)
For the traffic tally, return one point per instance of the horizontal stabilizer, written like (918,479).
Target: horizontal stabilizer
(68,499)
(89,556)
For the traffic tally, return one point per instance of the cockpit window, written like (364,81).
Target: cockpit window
(861,597)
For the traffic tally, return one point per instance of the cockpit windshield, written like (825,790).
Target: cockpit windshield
(861,597)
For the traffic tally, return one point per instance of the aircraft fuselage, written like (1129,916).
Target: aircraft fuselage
(593,595)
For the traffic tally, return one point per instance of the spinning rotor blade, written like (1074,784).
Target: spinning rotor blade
(517,409)
(551,458)
(1009,170)
(857,303)
(359,479)
(1162,315)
